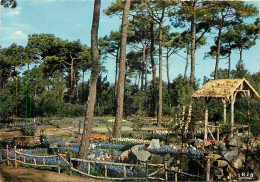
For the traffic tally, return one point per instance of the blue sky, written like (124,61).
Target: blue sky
(71,19)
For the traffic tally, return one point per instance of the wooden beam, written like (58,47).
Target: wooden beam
(225,110)
(248,112)
(211,134)
(206,120)
(233,100)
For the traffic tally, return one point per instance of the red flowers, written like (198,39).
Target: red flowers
(94,137)
(211,141)
(99,136)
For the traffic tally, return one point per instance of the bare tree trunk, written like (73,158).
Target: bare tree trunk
(168,77)
(117,53)
(218,53)
(188,119)
(145,77)
(122,70)
(153,72)
(142,76)
(139,76)
(159,116)
(77,93)
(183,117)
(84,145)
(83,95)
(72,82)
(193,47)
(187,63)
(229,62)
(240,53)
(142,81)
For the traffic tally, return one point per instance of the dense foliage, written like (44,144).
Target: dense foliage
(45,78)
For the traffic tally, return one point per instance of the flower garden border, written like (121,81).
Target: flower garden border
(158,168)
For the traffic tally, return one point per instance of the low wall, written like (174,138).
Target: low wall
(27,141)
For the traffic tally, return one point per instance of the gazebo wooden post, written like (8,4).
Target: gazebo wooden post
(225,110)
(206,119)
(248,95)
(233,98)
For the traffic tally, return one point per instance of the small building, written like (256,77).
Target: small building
(226,90)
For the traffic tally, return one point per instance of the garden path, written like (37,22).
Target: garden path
(22,174)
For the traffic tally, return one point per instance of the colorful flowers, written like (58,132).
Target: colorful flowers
(211,141)
(99,136)
(67,144)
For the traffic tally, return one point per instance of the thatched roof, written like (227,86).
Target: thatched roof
(224,88)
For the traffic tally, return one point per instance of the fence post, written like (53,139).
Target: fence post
(146,171)
(124,172)
(58,163)
(70,163)
(105,170)
(15,156)
(89,168)
(208,170)
(7,155)
(165,170)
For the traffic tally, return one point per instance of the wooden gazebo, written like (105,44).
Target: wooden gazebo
(226,90)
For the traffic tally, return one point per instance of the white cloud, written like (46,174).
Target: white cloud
(18,32)
(11,12)
(15,35)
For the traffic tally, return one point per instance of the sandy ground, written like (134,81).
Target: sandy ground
(64,131)
(53,131)
(22,174)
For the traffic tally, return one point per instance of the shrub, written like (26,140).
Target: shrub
(226,128)
(29,130)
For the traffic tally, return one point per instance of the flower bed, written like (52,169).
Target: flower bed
(174,149)
(53,139)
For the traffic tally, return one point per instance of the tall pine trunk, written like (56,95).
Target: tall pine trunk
(159,116)
(193,47)
(153,71)
(145,77)
(218,53)
(122,70)
(84,145)
(229,62)
(116,74)
(187,63)
(168,79)
(72,82)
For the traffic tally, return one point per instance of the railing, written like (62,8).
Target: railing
(25,159)
(150,170)
(89,162)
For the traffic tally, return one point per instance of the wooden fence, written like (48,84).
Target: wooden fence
(17,159)
(150,169)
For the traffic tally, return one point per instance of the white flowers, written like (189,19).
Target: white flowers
(131,140)
(92,146)
(91,156)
